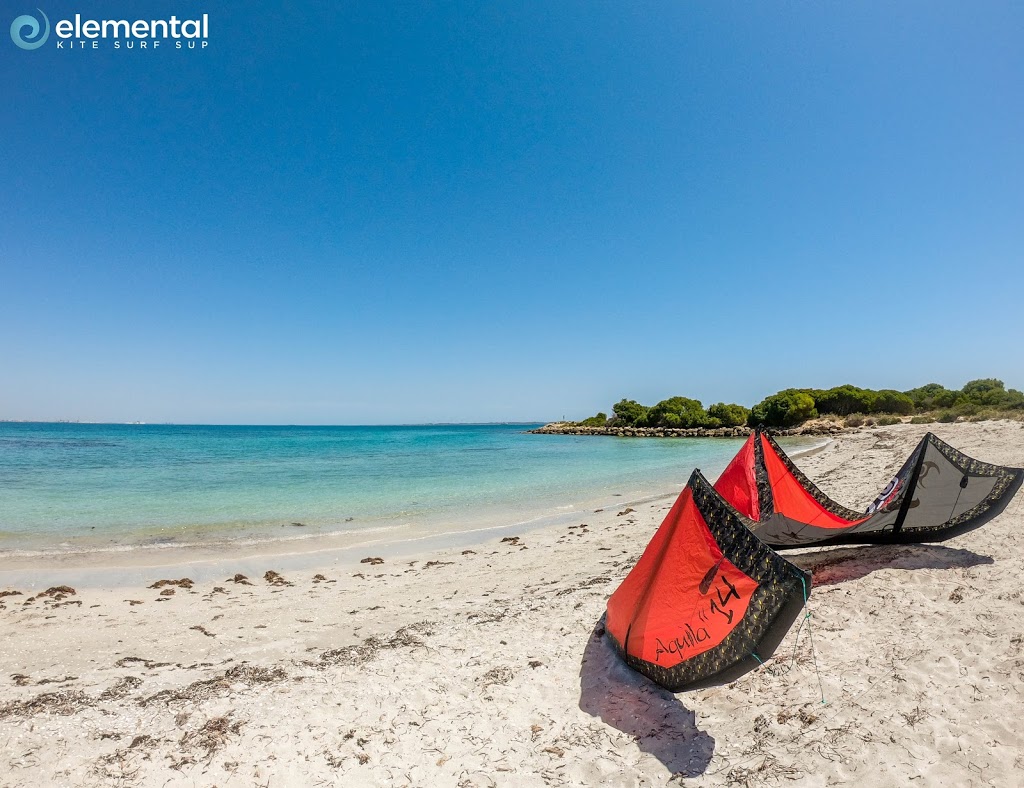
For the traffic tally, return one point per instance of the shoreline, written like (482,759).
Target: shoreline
(124,565)
(96,569)
(112,490)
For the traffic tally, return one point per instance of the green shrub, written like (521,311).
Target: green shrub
(932,396)
(888,421)
(785,409)
(728,415)
(984,391)
(844,400)
(629,413)
(854,420)
(594,421)
(946,417)
(678,412)
(990,393)
(922,420)
(890,401)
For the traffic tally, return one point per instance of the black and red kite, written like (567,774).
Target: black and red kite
(939,493)
(707,601)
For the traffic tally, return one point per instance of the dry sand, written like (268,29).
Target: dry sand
(483,667)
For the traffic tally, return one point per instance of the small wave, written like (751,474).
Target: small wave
(169,544)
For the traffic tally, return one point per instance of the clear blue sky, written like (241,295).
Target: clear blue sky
(367,212)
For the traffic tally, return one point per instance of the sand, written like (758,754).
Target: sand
(482,665)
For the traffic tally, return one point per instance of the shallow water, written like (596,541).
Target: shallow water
(75,487)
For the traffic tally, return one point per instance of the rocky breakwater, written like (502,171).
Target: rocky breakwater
(816,427)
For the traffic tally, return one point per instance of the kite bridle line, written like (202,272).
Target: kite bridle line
(810,637)
(796,642)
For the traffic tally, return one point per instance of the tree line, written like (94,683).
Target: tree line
(980,398)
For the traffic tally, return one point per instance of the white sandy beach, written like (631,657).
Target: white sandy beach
(481,665)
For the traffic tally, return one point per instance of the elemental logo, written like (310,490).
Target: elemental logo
(118,34)
(34,40)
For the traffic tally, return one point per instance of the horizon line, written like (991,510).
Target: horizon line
(296,424)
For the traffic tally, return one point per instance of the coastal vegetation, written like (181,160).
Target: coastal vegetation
(674,412)
(855,406)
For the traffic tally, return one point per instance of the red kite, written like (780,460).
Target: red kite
(939,493)
(707,601)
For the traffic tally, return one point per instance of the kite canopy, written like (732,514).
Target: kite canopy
(707,601)
(939,493)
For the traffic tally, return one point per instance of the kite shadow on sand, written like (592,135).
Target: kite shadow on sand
(622,698)
(838,565)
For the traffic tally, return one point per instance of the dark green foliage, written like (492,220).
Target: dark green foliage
(946,417)
(979,399)
(785,409)
(629,413)
(990,393)
(891,401)
(887,421)
(678,412)
(932,396)
(728,415)
(985,391)
(982,396)
(844,400)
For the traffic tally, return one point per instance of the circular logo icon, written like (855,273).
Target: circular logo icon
(34,40)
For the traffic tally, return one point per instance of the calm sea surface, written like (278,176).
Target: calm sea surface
(73,487)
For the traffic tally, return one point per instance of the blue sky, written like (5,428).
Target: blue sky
(378,213)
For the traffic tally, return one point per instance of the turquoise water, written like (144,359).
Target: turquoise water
(70,487)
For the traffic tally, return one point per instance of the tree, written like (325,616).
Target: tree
(984,391)
(844,400)
(891,401)
(687,412)
(629,413)
(599,420)
(728,415)
(931,396)
(785,409)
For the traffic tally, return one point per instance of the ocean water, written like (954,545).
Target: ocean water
(94,487)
